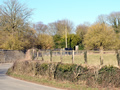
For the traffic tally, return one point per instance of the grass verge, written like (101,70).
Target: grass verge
(53,83)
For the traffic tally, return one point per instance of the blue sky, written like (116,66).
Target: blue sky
(78,11)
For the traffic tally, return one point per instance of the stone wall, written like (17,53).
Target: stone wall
(11,55)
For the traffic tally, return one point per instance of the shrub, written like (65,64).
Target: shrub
(104,77)
(41,69)
(109,76)
(71,72)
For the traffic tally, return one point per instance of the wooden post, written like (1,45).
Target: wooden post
(37,54)
(118,57)
(72,56)
(42,56)
(85,57)
(50,55)
(4,57)
(61,55)
(101,55)
(33,54)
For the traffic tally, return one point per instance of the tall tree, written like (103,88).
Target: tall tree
(61,28)
(43,38)
(14,18)
(73,40)
(41,28)
(100,36)
(52,28)
(102,19)
(45,41)
(59,42)
(81,30)
(114,21)
(61,25)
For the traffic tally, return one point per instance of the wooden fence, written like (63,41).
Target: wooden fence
(77,57)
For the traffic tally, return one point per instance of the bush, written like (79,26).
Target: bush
(109,76)
(41,69)
(71,72)
(64,72)
(104,77)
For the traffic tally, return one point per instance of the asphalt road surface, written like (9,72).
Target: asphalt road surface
(9,83)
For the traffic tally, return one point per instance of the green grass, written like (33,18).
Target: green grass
(109,59)
(93,59)
(53,83)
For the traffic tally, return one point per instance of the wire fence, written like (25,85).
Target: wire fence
(77,57)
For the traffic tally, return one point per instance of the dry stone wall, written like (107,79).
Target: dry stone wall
(11,55)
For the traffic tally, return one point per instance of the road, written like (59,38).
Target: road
(9,83)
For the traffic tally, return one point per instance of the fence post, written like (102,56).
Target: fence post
(4,57)
(61,55)
(101,55)
(50,55)
(72,56)
(118,57)
(33,54)
(42,56)
(37,54)
(85,56)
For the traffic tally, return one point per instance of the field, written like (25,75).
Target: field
(93,59)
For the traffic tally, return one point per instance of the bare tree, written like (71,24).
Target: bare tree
(102,19)
(114,21)
(59,27)
(14,25)
(64,27)
(41,28)
(81,30)
(52,28)
(14,16)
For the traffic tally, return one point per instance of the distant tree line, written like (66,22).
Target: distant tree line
(17,33)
